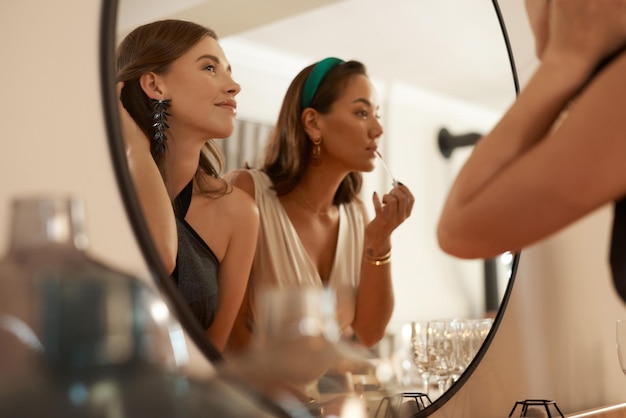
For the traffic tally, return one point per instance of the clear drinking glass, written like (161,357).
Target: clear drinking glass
(421,356)
(441,349)
(299,353)
(461,336)
(298,332)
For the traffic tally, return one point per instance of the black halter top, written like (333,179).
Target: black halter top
(196,268)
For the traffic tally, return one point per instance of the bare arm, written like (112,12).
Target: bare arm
(375,300)
(241,333)
(234,270)
(528,178)
(150,189)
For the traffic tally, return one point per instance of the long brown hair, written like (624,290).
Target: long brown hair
(288,151)
(153,48)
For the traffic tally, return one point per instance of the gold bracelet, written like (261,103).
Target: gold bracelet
(379,262)
(370,256)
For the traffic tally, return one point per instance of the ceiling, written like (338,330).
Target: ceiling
(451,46)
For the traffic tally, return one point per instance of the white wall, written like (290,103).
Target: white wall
(430,284)
(53,134)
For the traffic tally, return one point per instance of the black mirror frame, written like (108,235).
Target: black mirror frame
(439,402)
(133,209)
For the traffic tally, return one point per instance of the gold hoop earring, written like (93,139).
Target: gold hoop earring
(316,153)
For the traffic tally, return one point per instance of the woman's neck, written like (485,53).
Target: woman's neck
(181,165)
(317,189)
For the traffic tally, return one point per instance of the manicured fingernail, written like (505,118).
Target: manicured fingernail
(400,183)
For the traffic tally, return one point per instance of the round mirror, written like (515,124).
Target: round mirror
(442,72)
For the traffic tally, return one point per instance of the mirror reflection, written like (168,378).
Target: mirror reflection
(434,65)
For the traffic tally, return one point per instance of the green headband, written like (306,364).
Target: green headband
(315,78)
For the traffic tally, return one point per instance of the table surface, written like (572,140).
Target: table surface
(612,411)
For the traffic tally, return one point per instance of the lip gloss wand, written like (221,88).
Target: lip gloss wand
(394,182)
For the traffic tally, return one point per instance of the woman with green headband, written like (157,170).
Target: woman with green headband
(314,229)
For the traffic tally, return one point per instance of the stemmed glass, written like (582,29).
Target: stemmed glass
(421,356)
(463,340)
(620,335)
(441,347)
(468,336)
(294,324)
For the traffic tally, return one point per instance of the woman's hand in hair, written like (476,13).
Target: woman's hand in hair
(150,188)
(134,139)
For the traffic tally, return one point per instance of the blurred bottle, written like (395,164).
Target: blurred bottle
(80,339)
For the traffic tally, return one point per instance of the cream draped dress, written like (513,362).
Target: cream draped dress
(282,261)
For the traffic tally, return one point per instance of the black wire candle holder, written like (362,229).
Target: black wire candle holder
(541,403)
(413,401)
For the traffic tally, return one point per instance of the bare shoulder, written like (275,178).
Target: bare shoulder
(219,220)
(234,203)
(242,180)
(238,205)
(238,214)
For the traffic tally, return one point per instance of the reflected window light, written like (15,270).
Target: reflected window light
(506,258)
(310,327)
(106,394)
(179,345)
(22,331)
(384,372)
(159,311)
(78,394)
(353,407)
(58,227)
(181,386)
(406,332)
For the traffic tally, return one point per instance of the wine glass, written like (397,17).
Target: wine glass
(299,353)
(462,348)
(297,332)
(421,356)
(620,335)
(441,348)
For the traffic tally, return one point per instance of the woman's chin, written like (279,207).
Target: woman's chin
(369,167)
(223,133)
